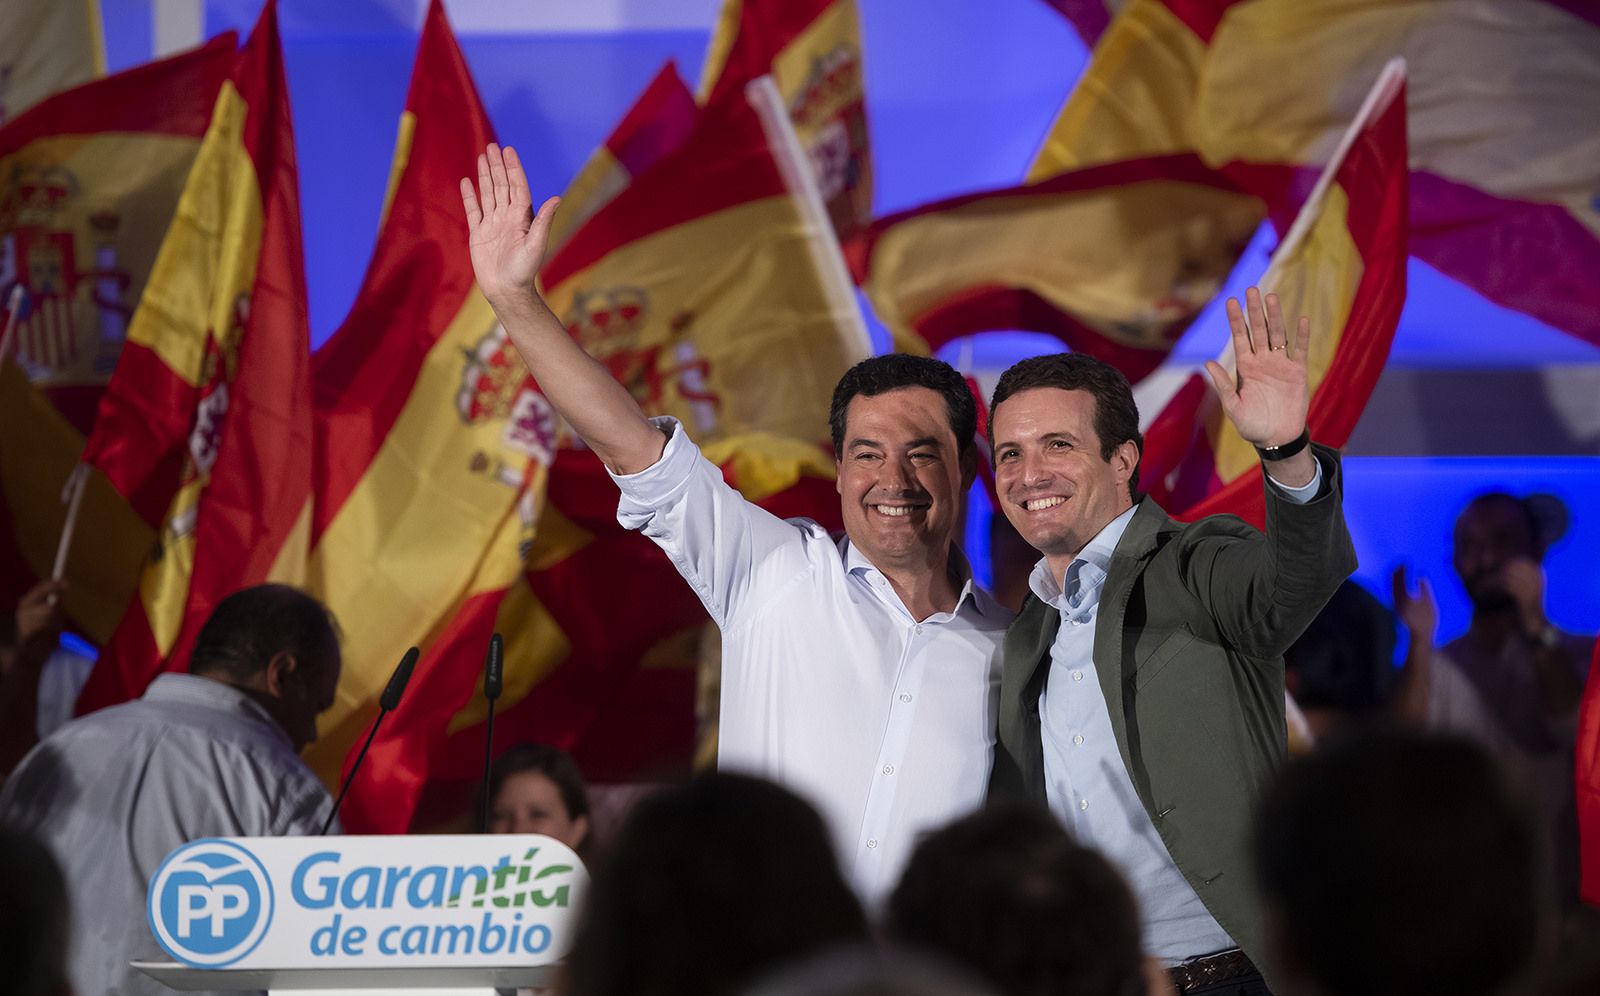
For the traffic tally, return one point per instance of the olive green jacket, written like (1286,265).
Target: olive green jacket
(1193,623)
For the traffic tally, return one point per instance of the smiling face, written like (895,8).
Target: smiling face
(530,802)
(1053,483)
(902,479)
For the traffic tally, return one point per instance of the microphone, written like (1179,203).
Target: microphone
(493,680)
(386,703)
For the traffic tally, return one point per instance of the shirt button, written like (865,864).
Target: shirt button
(1077,676)
(874,841)
(1082,804)
(1078,739)
(1077,622)
(905,696)
(888,769)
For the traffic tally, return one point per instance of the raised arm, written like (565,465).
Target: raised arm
(508,244)
(1268,402)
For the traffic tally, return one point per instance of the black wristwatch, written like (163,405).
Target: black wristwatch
(1288,449)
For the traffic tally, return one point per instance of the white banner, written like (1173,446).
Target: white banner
(366,902)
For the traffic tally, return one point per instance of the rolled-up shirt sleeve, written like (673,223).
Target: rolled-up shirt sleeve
(722,544)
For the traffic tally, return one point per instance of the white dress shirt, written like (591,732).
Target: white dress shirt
(1087,783)
(113,793)
(829,686)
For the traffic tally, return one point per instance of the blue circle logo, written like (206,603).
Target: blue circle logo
(210,903)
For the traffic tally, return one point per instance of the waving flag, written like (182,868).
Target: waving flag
(812,50)
(1114,260)
(89,180)
(1505,154)
(657,123)
(430,461)
(213,379)
(1343,265)
(1588,784)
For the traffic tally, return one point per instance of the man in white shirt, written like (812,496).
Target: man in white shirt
(862,674)
(212,753)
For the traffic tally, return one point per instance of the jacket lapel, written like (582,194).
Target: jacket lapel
(1027,654)
(1127,561)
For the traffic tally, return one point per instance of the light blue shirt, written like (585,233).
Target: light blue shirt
(1086,781)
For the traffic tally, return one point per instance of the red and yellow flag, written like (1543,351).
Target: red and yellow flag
(1343,265)
(1113,245)
(1588,784)
(1114,260)
(431,458)
(812,50)
(214,381)
(657,123)
(1503,162)
(89,180)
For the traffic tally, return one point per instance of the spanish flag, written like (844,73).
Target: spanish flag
(1588,784)
(47,46)
(658,122)
(89,180)
(812,49)
(1343,264)
(213,381)
(1114,260)
(1119,237)
(711,286)
(431,457)
(1503,137)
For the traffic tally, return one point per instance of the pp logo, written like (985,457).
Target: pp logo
(210,903)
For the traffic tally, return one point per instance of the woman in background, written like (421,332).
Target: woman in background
(536,788)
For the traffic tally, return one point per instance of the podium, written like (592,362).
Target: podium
(339,981)
(450,915)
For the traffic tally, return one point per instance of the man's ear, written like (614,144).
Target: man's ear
(1125,460)
(279,672)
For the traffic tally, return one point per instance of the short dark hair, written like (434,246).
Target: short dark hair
(1400,863)
(1116,417)
(551,762)
(252,625)
(34,917)
(707,887)
(881,374)
(1546,516)
(1009,894)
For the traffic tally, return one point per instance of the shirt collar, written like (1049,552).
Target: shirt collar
(1091,564)
(856,562)
(194,689)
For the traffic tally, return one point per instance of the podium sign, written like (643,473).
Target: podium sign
(286,903)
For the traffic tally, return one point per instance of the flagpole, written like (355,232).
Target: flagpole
(72,497)
(13,309)
(795,167)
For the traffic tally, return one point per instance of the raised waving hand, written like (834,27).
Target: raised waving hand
(1268,399)
(507,241)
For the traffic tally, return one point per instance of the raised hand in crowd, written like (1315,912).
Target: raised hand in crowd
(1418,614)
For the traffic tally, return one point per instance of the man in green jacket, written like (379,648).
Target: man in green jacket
(1142,692)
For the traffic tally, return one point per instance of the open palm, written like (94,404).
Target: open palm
(1268,401)
(507,239)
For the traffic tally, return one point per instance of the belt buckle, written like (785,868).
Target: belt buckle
(1210,969)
